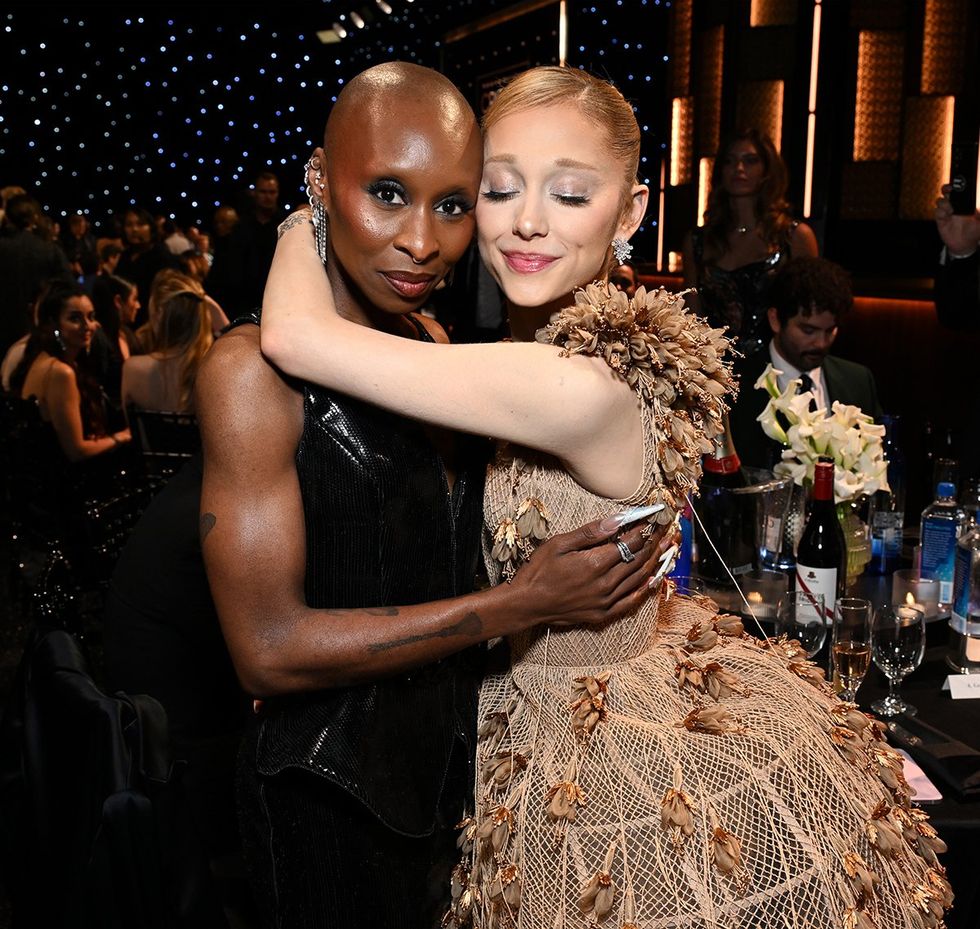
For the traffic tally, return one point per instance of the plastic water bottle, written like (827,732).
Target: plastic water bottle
(965,619)
(942,522)
(888,519)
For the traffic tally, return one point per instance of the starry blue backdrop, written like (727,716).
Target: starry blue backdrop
(175,107)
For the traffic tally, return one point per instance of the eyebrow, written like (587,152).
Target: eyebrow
(559,162)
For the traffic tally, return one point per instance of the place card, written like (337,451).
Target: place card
(963,686)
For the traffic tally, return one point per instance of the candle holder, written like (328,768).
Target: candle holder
(920,593)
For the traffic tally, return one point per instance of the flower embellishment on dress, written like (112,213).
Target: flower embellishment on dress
(674,360)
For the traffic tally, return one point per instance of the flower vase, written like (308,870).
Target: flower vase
(857,537)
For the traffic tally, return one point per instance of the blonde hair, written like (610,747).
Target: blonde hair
(179,318)
(600,103)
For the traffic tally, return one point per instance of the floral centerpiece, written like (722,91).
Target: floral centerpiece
(845,434)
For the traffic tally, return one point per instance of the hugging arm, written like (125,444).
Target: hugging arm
(525,393)
(253,541)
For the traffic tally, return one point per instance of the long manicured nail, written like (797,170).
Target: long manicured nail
(611,523)
(668,554)
(665,568)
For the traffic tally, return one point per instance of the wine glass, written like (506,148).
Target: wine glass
(851,648)
(898,642)
(800,616)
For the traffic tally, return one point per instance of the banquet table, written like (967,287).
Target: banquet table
(957,820)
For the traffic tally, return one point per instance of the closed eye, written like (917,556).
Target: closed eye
(496,196)
(571,199)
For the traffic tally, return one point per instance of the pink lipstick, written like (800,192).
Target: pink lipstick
(528,263)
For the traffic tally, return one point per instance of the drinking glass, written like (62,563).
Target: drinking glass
(851,644)
(898,642)
(800,616)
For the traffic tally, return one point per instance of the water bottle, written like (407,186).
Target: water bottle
(941,523)
(888,521)
(964,623)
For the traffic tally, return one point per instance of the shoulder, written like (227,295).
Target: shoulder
(431,327)
(802,241)
(843,366)
(238,385)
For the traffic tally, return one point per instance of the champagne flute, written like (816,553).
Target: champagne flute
(898,642)
(851,648)
(800,616)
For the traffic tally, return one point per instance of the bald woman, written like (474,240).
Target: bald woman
(341,542)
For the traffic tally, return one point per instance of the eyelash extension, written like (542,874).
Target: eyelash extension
(462,202)
(570,200)
(495,196)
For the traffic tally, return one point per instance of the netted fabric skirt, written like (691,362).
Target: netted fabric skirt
(707,782)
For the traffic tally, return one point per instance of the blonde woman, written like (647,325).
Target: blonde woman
(178,336)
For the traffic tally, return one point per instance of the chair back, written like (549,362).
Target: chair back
(165,440)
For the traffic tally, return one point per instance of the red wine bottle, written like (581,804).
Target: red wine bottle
(723,514)
(821,555)
(723,468)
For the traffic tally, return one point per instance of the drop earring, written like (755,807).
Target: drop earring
(622,250)
(59,339)
(319,214)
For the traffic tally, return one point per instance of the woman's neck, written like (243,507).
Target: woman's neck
(743,212)
(351,304)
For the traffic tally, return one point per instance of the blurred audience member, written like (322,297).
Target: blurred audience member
(623,277)
(173,237)
(11,190)
(809,298)
(55,372)
(958,278)
(78,244)
(109,255)
(116,303)
(26,262)
(748,234)
(143,255)
(243,265)
(221,284)
(179,335)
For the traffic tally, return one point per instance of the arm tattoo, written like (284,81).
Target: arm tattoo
(207,524)
(293,219)
(469,625)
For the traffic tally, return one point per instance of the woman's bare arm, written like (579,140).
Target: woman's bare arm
(64,407)
(574,408)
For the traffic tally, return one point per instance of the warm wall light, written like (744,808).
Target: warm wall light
(925,154)
(705,167)
(680,47)
(760,104)
(772,13)
(710,69)
(660,214)
(681,140)
(811,120)
(675,262)
(878,101)
(562,33)
(945,29)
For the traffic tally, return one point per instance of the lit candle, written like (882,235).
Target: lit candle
(911,601)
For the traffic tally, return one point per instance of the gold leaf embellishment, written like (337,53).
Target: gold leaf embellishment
(597,899)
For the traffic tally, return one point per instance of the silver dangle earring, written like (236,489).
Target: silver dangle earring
(319,214)
(59,339)
(622,250)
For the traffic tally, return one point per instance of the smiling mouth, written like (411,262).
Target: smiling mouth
(526,263)
(409,284)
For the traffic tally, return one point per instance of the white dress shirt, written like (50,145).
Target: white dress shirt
(790,372)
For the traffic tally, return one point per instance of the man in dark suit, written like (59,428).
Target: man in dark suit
(809,297)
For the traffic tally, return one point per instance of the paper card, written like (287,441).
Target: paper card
(963,686)
(923,790)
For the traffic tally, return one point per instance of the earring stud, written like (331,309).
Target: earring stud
(622,250)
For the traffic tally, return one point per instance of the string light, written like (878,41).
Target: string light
(157,93)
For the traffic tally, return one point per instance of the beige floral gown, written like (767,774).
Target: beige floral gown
(668,770)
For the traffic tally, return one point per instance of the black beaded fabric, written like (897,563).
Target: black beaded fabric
(739,299)
(383,529)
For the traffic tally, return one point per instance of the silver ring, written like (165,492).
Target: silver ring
(624,551)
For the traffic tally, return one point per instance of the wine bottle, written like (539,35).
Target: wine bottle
(723,514)
(820,556)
